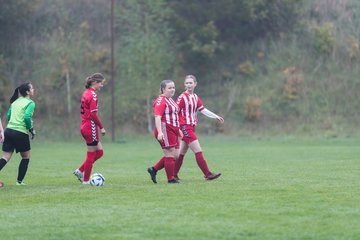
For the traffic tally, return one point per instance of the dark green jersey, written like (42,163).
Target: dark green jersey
(20,114)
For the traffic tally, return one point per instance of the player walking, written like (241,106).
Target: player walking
(166,130)
(19,125)
(189,104)
(90,123)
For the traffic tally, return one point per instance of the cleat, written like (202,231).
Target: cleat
(86,183)
(20,183)
(173,181)
(152,173)
(78,174)
(212,176)
(177,178)
(1,184)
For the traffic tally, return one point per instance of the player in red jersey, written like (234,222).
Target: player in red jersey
(189,104)
(166,131)
(90,123)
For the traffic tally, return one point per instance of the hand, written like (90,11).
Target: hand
(181,135)
(1,137)
(32,132)
(160,136)
(103,131)
(221,120)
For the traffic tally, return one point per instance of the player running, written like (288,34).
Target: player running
(90,123)
(20,124)
(166,130)
(189,104)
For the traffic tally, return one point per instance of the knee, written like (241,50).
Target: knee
(25,155)
(99,154)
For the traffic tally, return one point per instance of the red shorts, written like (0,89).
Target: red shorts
(90,133)
(171,136)
(189,133)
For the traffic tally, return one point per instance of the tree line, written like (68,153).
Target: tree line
(258,62)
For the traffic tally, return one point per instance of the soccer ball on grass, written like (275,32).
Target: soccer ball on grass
(97,179)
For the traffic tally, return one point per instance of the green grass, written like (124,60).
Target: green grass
(270,189)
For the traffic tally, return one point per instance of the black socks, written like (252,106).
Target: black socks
(23,166)
(3,162)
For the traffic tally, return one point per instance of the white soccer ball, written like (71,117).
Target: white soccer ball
(97,179)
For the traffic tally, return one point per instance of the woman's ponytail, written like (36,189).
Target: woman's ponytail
(22,90)
(15,95)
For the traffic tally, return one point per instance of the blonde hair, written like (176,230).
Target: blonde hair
(192,77)
(96,77)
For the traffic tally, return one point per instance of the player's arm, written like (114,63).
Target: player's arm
(94,116)
(158,127)
(29,111)
(210,114)
(159,109)
(9,114)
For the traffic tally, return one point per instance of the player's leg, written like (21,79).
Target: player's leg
(156,167)
(194,145)
(8,148)
(23,167)
(22,144)
(5,159)
(90,134)
(188,136)
(89,162)
(178,163)
(201,162)
(159,164)
(170,145)
(169,163)
(99,154)
(99,151)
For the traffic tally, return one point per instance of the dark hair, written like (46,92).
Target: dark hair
(163,85)
(22,90)
(96,77)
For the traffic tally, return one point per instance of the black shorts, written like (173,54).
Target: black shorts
(15,140)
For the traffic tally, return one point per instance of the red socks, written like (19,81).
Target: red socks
(178,163)
(172,166)
(99,154)
(160,164)
(88,164)
(202,163)
(169,164)
(169,167)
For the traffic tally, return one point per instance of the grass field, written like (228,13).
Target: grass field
(270,189)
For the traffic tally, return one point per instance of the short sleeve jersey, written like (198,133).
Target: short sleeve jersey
(189,106)
(167,109)
(89,104)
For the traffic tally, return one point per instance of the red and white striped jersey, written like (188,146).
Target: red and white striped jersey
(167,109)
(189,105)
